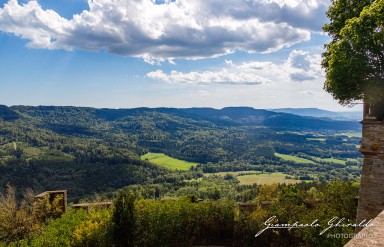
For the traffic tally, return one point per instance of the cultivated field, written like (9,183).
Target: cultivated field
(294,159)
(256,177)
(277,178)
(163,160)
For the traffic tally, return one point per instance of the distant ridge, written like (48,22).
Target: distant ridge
(66,119)
(315,112)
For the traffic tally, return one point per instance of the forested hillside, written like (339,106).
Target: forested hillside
(89,150)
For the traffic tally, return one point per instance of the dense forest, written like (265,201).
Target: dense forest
(187,221)
(97,154)
(88,150)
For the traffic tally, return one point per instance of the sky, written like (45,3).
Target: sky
(164,53)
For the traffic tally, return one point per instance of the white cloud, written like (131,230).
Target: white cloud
(173,29)
(300,66)
(42,27)
(223,76)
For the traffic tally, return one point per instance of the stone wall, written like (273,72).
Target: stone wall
(371,194)
(50,196)
(370,236)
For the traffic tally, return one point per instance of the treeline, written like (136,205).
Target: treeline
(87,150)
(324,172)
(186,221)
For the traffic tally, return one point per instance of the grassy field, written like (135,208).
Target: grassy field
(163,160)
(351,134)
(333,160)
(266,179)
(353,160)
(232,173)
(342,162)
(317,139)
(294,159)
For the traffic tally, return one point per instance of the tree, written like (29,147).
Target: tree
(16,219)
(124,219)
(354,59)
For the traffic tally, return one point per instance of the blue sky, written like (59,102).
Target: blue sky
(132,53)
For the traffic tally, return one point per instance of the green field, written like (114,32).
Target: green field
(353,160)
(273,178)
(332,160)
(294,159)
(341,162)
(317,139)
(351,134)
(232,173)
(163,160)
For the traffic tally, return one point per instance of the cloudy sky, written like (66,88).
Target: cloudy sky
(174,53)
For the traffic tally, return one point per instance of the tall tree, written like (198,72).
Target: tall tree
(354,59)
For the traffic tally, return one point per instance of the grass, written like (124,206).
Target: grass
(272,178)
(351,134)
(333,160)
(306,161)
(353,160)
(163,160)
(317,139)
(232,173)
(291,132)
(294,159)
(259,178)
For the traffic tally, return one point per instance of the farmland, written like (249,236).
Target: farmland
(294,159)
(271,178)
(165,161)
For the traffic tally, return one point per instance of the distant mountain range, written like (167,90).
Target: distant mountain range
(288,118)
(315,112)
(89,150)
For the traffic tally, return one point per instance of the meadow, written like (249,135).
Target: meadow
(257,177)
(294,159)
(272,178)
(165,161)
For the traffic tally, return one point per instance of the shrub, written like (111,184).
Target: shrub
(124,219)
(95,231)
(16,220)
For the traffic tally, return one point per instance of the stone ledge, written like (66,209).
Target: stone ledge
(372,122)
(372,236)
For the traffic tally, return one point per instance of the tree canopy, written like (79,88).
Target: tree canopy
(354,59)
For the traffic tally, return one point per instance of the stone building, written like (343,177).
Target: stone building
(371,194)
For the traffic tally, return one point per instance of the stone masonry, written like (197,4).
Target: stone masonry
(371,194)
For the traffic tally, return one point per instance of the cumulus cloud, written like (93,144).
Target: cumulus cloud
(29,21)
(300,66)
(169,30)
(224,76)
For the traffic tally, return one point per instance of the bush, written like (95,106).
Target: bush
(16,220)
(124,219)
(183,223)
(95,231)
(59,232)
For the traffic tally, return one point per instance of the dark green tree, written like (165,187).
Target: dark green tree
(124,219)
(354,59)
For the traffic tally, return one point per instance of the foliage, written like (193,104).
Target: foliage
(294,158)
(167,162)
(44,209)
(88,151)
(58,232)
(124,219)
(16,220)
(94,232)
(354,60)
(182,222)
(185,221)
